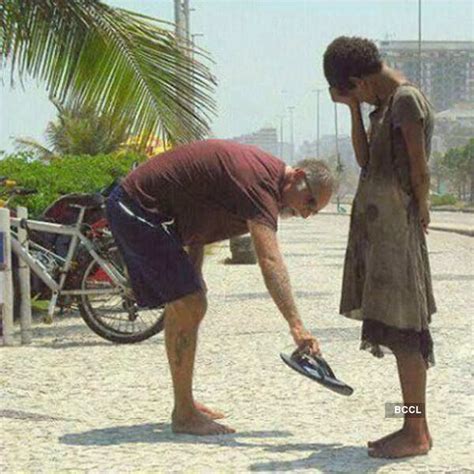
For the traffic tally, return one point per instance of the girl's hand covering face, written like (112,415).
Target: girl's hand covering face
(342,97)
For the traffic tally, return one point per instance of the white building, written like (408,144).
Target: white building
(267,139)
(447,68)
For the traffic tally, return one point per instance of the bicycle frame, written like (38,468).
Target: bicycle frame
(74,231)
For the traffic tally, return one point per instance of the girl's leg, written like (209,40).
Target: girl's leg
(414,438)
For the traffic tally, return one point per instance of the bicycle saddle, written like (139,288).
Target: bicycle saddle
(89,201)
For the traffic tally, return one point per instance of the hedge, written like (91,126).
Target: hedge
(443,200)
(68,174)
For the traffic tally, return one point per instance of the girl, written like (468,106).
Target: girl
(387,281)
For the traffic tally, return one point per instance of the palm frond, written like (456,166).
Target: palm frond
(32,146)
(121,63)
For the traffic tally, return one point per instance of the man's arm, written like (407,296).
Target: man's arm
(277,282)
(419,174)
(196,254)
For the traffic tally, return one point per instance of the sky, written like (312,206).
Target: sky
(267,57)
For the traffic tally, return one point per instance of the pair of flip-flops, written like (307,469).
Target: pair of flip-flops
(317,369)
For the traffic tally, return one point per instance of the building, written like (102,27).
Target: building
(454,127)
(267,139)
(447,68)
(327,150)
(462,115)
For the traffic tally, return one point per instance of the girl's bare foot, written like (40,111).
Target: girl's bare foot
(381,441)
(199,424)
(401,445)
(212,414)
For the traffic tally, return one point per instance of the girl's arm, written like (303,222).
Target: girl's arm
(414,137)
(359,136)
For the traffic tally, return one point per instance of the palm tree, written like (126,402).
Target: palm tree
(78,131)
(121,63)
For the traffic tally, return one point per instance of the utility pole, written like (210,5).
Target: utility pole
(292,135)
(338,162)
(186,21)
(180,23)
(419,43)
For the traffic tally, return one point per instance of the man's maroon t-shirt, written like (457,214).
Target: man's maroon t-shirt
(211,188)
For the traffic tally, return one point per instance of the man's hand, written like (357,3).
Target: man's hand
(341,98)
(305,341)
(424,208)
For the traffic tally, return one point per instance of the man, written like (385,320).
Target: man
(191,196)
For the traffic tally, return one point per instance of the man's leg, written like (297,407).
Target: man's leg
(414,437)
(213,414)
(181,328)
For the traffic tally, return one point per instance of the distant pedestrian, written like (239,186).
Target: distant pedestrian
(387,281)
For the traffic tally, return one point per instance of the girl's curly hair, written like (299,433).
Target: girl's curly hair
(350,56)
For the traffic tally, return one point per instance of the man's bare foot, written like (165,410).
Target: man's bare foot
(401,445)
(389,437)
(198,424)
(212,414)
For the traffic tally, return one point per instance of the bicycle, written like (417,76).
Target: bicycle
(102,291)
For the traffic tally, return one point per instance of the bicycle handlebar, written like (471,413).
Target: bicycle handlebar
(13,189)
(5,181)
(25,191)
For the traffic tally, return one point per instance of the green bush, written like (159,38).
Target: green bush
(68,174)
(443,200)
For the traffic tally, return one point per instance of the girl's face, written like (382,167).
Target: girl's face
(363,91)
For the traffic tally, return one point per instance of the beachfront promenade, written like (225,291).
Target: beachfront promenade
(71,401)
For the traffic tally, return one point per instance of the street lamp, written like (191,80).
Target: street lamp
(281,117)
(193,41)
(292,134)
(318,136)
(339,167)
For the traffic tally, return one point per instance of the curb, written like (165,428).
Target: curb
(463,230)
(469,231)
(452,209)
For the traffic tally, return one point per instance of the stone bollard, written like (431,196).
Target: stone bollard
(6,285)
(242,250)
(24,283)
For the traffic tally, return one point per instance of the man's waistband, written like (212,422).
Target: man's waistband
(133,207)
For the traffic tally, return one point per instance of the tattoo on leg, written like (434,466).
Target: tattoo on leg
(183,341)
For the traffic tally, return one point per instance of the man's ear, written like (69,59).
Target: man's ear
(299,176)
(299,173)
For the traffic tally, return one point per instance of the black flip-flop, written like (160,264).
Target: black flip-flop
(317,369)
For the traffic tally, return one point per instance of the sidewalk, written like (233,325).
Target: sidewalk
(72,401)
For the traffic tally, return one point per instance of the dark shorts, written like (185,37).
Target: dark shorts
(160,270)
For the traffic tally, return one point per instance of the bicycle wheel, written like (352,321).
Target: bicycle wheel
(114,316)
